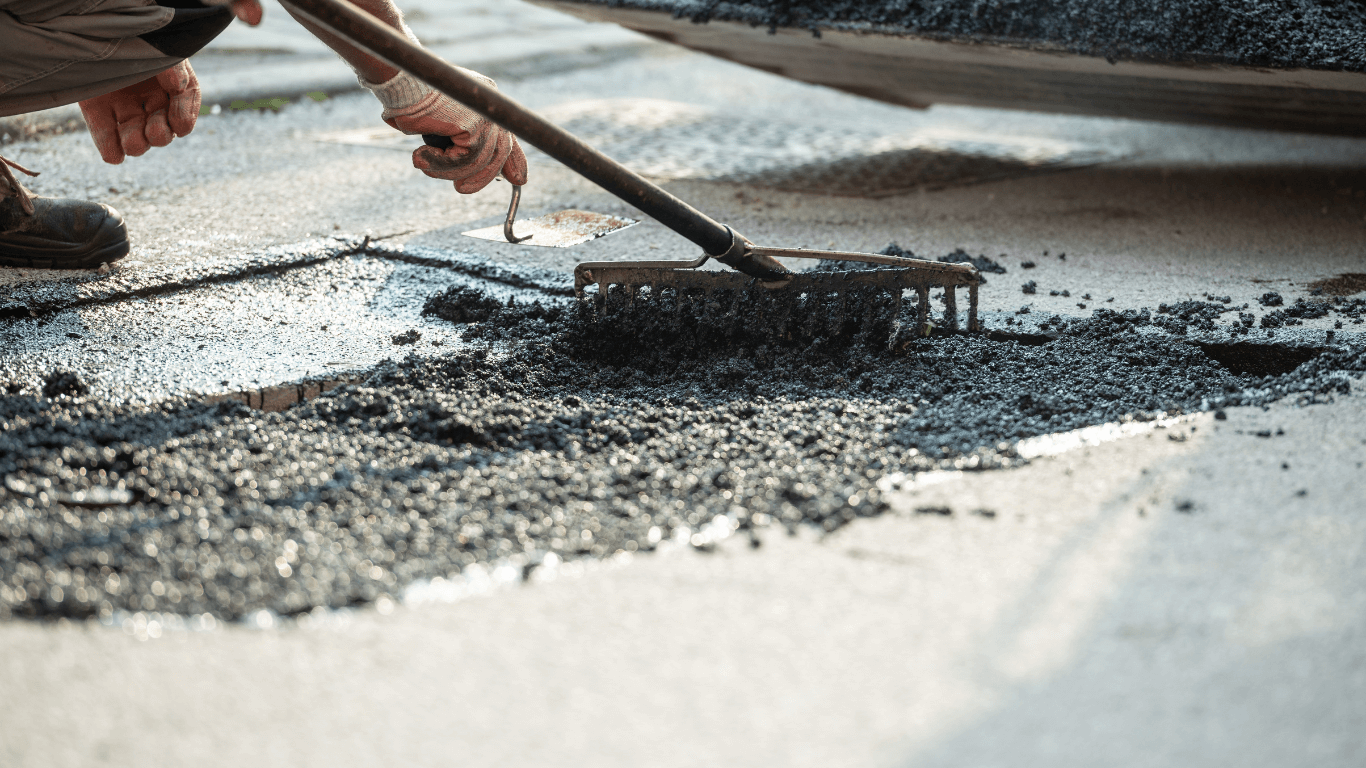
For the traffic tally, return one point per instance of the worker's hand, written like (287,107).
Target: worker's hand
(481,149)
(248,11)
(245,10)
(148,114)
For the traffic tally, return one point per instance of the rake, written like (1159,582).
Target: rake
(753,268)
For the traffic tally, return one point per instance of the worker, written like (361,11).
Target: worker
(124,62)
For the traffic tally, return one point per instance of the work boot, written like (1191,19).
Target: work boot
(52,232)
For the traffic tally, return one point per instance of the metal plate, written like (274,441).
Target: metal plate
(558,230)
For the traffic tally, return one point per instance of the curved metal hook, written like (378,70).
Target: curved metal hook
(512,217)
(444,142)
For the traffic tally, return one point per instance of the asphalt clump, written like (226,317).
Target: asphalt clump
(983,263)
(58,383)
(567,428)
(407,338)
(464,305)
(1318,34)
(1181,316)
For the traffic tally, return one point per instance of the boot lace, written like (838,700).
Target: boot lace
(10,186)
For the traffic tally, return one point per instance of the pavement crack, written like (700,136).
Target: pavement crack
(30,300)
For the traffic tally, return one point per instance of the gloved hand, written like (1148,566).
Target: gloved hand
(481,149)
(148,114)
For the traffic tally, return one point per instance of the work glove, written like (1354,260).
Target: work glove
(481,149)
(129,121)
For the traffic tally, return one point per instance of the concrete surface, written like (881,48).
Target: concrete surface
(1066,630)
(280,58)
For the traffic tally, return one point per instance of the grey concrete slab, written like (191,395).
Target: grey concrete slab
(435,22)
(1090,621)
(279,58)
(1067,629)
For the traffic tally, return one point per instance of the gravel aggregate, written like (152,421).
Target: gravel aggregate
(557,430)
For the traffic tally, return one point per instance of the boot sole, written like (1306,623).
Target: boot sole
(115,246)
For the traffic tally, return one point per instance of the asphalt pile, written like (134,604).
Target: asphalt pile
(1319,34)
(565,428)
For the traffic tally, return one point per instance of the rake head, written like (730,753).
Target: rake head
(798,304)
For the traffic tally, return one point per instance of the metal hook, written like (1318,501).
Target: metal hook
(512,217)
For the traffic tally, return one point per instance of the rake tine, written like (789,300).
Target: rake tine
(898,302)
(812,304)
(922,311)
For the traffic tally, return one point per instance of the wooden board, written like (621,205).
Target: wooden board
(917,72)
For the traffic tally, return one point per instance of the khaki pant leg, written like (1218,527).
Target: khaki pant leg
(58,52)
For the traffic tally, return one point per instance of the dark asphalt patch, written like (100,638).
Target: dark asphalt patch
(1260,359)
(1260,33)
(557,433)
(1341,285)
